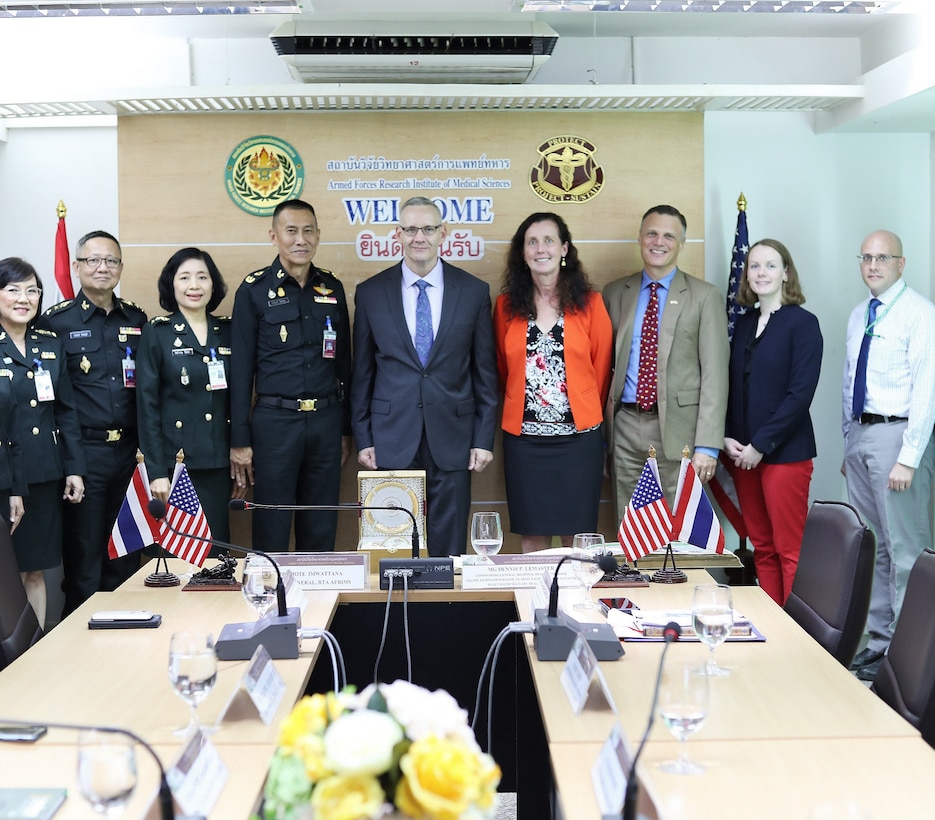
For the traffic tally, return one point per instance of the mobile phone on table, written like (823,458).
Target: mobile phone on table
(22,734)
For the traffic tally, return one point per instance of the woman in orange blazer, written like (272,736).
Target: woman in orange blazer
(554,344)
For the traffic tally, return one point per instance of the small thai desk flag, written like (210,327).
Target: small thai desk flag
(647,521)
(134,528)
(184,513)
(694,521)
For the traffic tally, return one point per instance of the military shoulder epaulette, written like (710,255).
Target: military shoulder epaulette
(222,318)
(159,320)
(250,278)
(129,304)
(42,332)
(60,306)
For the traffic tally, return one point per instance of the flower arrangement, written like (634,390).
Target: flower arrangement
(347,756)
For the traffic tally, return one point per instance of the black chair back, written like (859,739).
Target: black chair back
(19,628)
(830,594)
(906,680)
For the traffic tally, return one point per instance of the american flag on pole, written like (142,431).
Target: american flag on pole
(134,528)
(694,521)
(738,258)
(184,513)
(647,521)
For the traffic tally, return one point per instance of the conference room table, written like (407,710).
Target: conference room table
(789,732)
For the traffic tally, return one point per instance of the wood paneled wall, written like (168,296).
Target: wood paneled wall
(172,194)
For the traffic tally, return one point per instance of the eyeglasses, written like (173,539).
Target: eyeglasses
(95,261)
(15,293)
(880,258)
(427,230)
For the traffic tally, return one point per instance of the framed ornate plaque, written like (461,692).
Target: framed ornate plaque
(390,531)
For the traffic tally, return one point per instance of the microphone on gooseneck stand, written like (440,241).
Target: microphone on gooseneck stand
(420,573)
(237,642)
(166,809)
(555,631)
(670,634)
(243,505)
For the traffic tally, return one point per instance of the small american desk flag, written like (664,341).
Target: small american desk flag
(694,521)
(647,521)
(184,513)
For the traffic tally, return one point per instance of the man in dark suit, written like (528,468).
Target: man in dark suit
(683,401)
(424,385)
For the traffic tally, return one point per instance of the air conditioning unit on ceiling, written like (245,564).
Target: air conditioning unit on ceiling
(505,52)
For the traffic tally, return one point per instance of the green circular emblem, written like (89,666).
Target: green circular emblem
(261,172)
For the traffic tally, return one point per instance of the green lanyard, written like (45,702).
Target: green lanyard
(868,325)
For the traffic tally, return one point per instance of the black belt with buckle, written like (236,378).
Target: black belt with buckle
(92,434)
(874,418)
(301,405)
(632,405)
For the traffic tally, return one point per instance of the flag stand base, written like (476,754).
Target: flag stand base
(162,579)
(669,575)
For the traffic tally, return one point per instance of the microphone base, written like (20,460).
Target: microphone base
(278,633)
(420,573)
(554,637)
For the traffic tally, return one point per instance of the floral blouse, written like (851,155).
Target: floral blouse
(547,412)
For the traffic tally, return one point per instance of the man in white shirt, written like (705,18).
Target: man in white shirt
(889,413)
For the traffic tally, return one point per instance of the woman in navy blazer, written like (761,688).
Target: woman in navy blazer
(775,361)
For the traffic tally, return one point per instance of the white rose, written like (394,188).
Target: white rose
(422,713)
(361,743)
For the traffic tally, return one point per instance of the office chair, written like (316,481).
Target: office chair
(830,594)
(19,628)
(906,680)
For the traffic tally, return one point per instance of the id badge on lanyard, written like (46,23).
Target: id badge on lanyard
(43,382)
(217,378)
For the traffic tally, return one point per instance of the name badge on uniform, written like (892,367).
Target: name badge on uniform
(217,378)
(129,369)
(79,334)
(183,351)
(43,381)
(282,301)
(329,340)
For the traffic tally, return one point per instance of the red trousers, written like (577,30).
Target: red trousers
(774,503)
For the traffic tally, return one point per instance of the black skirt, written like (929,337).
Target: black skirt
(553,483)
(38,538)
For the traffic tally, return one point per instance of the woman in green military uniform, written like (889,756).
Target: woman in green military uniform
(183,401)
(48,431)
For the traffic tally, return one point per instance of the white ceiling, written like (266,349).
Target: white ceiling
(890,89)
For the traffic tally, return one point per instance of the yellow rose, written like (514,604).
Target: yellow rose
(444,778)
(311,715)
(310,749)
(347,797)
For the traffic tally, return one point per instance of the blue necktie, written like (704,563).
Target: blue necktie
(860,377)
(424,334)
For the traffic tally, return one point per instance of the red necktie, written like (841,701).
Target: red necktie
(649,352)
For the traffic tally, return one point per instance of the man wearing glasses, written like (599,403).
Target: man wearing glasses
(291,344)
(889,411)
(424,390)
(100,332)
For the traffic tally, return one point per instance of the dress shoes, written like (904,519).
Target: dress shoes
(864,657)
(869,671)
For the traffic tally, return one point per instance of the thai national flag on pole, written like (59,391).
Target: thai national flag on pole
(134,528)
(184,513)
(694,521)
(647,520)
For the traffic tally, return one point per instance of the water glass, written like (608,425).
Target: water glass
(486,534)
(713,619)
(106,770)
